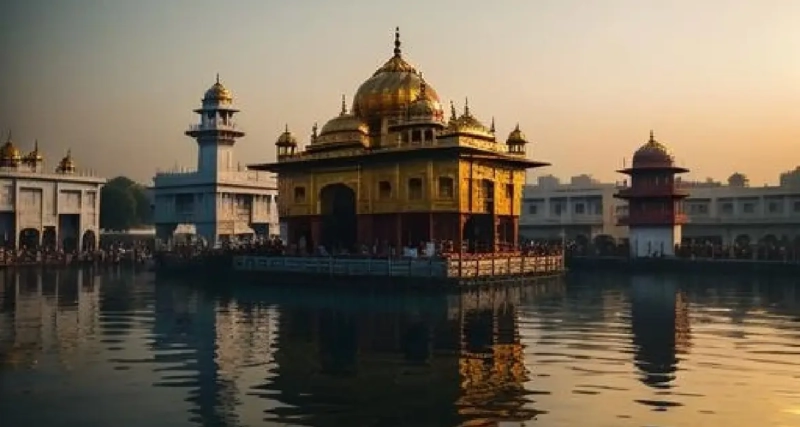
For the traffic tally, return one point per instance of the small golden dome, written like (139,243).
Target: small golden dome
(516,137)
(287,139)
(218,93)
(66,165)
(652,154)
(34,156)
(344,122)
(9,153)
(392,88)
(424,107)
(467,124)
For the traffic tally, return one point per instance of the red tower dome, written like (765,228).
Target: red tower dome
(654,216)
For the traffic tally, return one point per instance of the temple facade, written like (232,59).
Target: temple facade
(56,208)
(393,171)
(218,200)
(655,212)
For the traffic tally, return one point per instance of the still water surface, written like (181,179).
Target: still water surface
(90,349)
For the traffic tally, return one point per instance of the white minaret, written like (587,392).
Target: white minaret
(216,133)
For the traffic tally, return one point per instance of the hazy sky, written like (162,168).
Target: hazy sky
(116,80)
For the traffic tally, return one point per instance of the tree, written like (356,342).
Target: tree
(123,204)
(117,208)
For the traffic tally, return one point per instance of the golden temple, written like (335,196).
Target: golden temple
(393,171)
(12,158)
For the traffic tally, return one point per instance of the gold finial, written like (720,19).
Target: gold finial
(466,106)
(286,128)
(36,145)
(397,51)
(652,138)
(453,114)
(491,128)
(422,86)
(217,78)
(344,105)
(517,126)
(314,131)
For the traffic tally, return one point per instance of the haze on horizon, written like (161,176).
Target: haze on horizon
(116,81)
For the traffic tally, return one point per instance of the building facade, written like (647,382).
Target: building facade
(393,171)
(725,213)
(58,209)
(218,200)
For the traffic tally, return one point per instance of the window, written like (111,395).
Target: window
(415,189)
(557,209)
(774,207)
(384,190)
(299,194)
(727,208)
(797,206)
(580,209)
(533,209)
(749,207)
(446,187)
(416,136)
(510,192)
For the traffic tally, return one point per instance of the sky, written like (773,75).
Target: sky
(115,80)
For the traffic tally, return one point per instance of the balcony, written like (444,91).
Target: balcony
(652,218)
(214,125)
(652,191)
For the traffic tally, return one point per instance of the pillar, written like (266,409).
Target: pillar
(515,232)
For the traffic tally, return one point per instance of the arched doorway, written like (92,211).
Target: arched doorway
(89,241)
(50,238)
(742,240)
(29,238)
(339,221)
(478,233)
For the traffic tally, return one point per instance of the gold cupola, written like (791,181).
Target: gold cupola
(66,165)
(34,157)
(516,141)
(390,90)
(286,143)
(9,153)
(217,94)
(424,108)
(346,129)
(467,125)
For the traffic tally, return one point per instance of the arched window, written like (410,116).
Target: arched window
(446,187)
(415,189)
(384,190)
(299,194)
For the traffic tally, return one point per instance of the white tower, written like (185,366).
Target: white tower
(216,133)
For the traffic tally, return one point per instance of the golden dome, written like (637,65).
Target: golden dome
(392,88)
(287,139)
(66,165)
(652,154)
(344,122)
(516,137)
(218,93)
(467,124)
(9,153)
(424,107)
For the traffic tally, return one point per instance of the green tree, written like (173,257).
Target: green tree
(124,204)
(117,208)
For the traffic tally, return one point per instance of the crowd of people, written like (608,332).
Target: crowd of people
(697,250)
(47,255)
(274,246)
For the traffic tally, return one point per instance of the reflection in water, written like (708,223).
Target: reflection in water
(120,349)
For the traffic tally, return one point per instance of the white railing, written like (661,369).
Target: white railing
(22,170)
(213,125)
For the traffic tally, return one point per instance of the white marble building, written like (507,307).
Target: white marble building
(218,200)
(43,208)
(725,212)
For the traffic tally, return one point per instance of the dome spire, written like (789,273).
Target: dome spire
(466,106)
(217,78)
(491,128)
(344,106)
(453,115)
(286,127)
(652,138)
(397,51)
(422,87)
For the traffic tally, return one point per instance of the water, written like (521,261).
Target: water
(80,349)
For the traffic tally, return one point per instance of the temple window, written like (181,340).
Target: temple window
(415,189)
(384,190)
(446,187)
(299,194)
(510,192)
(429,135)
(416,136)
